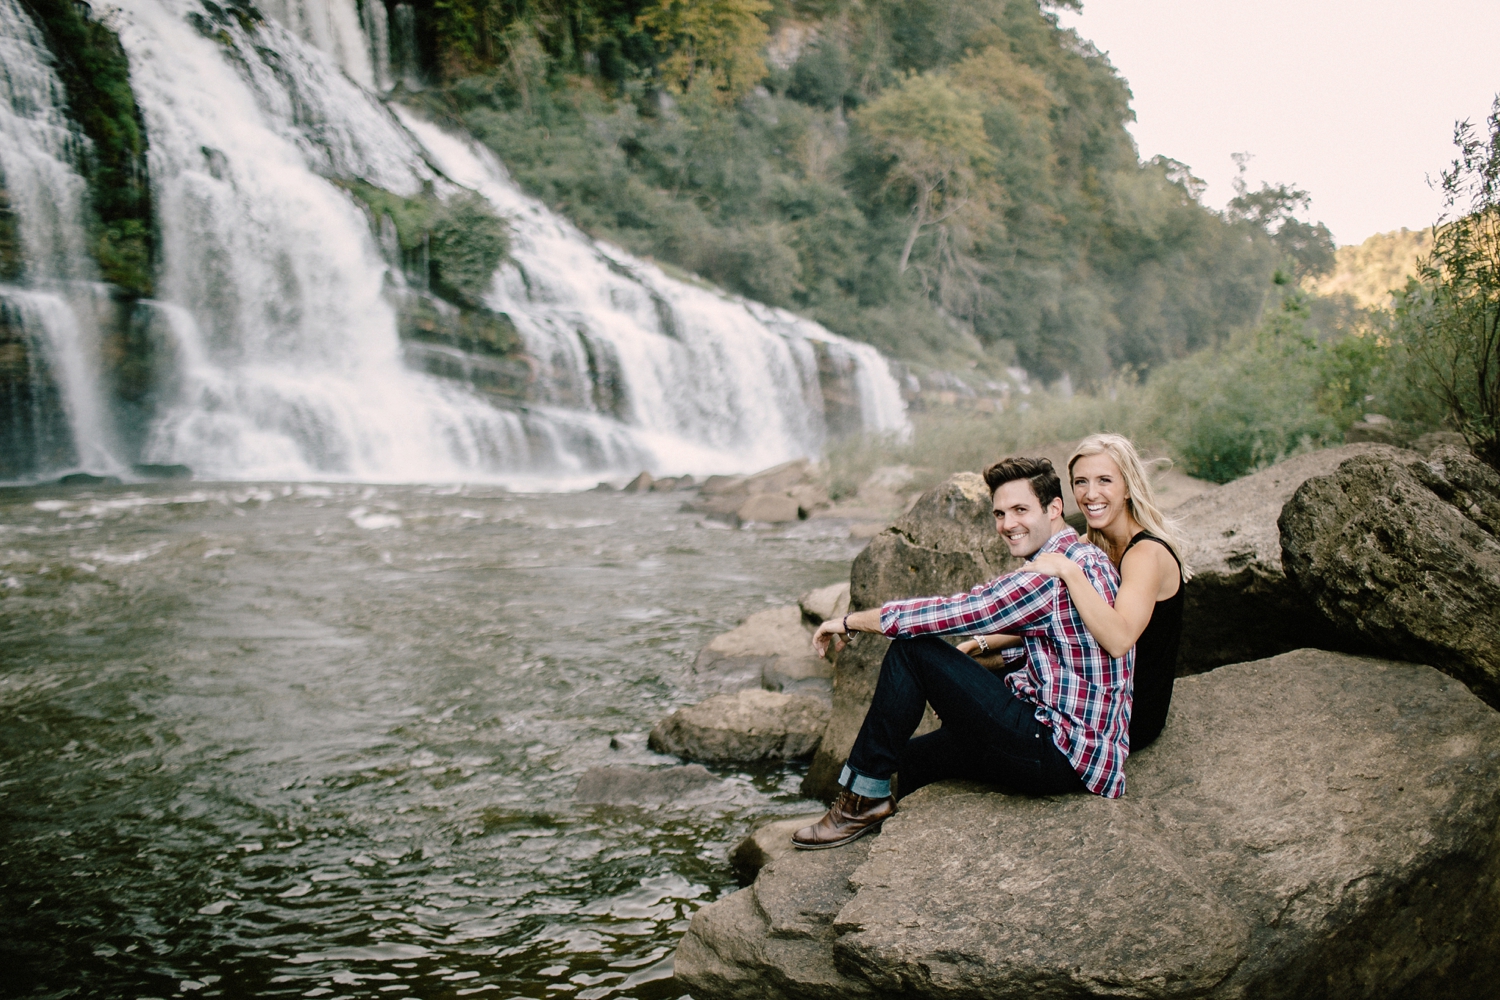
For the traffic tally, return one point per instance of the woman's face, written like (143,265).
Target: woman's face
(1099,489)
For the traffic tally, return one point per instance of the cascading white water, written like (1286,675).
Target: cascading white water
(57,304)
(710,374)
(290,363)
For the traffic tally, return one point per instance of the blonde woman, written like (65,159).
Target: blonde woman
(1109,483)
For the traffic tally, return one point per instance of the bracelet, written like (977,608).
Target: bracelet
(984,647)
(846,624)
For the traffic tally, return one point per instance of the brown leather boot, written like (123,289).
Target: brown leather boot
(849,818)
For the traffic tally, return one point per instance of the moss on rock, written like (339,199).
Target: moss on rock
(451,246)
(95,72)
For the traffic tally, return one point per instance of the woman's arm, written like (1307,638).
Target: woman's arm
(990,658)
(1115,628)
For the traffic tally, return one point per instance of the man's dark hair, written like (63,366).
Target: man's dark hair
(1036,471)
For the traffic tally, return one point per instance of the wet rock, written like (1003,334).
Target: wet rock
(745,728)
(1404,554)
(774,938)
(784,493)
(162,471)
(767,842)
(626,786)
(769,508)
(772,649)
(602,488)
(1239,604)
(87,479)
(945,544)
(1375,428)
(640,484)
(818,606)
(1314,824)
(671,485)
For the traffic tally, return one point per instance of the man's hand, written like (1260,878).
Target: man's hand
(857,621)
(826,636)
(1051,564)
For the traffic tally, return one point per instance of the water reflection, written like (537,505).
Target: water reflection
(322,741)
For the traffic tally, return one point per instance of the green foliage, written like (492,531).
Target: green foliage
(1261,397)
(715,44)
(1449,320)
(468,241)
(459,242)
(96,74)
(951,181)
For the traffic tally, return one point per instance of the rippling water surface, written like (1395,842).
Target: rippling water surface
(322,741)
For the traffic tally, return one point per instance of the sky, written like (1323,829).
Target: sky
(1352,100)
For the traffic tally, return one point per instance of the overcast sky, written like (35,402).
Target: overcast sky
(1353,101)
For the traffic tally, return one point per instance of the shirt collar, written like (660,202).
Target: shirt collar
(1062,541)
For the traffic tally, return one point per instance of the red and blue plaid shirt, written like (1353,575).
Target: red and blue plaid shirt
(1079,690)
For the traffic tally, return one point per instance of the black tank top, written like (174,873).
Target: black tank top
(1155,658)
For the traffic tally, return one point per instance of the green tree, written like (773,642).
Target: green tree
(1308,246)
(933,134)
(713,43)
(1450,317)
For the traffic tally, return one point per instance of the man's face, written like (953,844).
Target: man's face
(1021,519)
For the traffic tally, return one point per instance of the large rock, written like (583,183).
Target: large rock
(1239,604)
(1403,554)
(744,728)
(1312,825)
(945,544)
(772,648)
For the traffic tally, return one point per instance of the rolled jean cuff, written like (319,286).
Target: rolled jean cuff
(859,784)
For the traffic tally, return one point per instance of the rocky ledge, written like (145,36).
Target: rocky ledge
(1310,825)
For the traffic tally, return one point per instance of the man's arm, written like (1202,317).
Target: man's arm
(1009,603)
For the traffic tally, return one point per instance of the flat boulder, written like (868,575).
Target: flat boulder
(773,649)
(744,728)
(945,544)
(1403,554)
(634,786)
(1239,604)
(1310,825)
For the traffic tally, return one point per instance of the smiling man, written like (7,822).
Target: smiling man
(1057,722)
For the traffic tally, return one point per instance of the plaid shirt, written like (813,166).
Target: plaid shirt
(1078,690)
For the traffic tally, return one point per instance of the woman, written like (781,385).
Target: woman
(1109,483)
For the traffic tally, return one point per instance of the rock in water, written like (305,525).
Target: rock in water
(1312,825)
(945,544)
(769,508)
(818,606)
(1405,554)
(1239,604)
(747,727)
(773,649)
(626,786)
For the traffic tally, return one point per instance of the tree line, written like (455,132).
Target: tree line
(951,181)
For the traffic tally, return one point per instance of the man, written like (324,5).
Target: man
(1058,723)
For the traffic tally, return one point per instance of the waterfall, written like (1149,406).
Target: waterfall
(51,314)
(277,292)
(722,380)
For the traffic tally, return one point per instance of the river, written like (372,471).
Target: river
(322,740)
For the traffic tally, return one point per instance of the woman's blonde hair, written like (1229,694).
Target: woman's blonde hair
(1140,501)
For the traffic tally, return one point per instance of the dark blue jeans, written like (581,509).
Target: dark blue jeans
(988,734)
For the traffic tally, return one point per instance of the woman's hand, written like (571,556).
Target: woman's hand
(1051,564)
